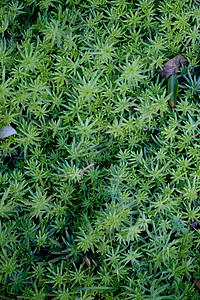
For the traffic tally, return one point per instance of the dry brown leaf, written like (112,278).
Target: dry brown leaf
(88,262)
(197,283)
(172,66)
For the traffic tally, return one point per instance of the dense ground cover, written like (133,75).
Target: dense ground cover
(80,84)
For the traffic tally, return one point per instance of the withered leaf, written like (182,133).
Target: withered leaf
(7,131)
(172,66)
(197,283)
(88,262)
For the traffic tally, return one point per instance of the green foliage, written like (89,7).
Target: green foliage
(101,182)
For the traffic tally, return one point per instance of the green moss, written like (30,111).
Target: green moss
(101,182)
